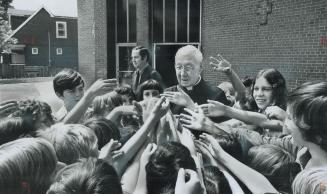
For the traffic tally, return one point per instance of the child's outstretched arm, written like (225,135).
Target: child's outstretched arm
(131,147)
(214,108)
(256,182)
(221,65)
(141,187)
(99,87)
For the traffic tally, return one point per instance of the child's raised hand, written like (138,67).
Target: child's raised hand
(102,86)
(192,186)
(110,151)
(212,143)
(207,151)
(129,110)
(193,120)
(179,98)
(275,112)
(149,150)
(160,108)
(213,108)
(138,107)
(147,106)
(220,64)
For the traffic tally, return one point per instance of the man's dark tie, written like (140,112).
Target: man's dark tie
(137,80)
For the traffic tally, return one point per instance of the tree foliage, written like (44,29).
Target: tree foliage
(5,4)
(5,30)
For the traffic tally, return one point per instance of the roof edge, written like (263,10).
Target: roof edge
(28,19)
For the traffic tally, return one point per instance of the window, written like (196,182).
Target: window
(176,21)
(126,21)
(59,51)
(35,51)
(61,29)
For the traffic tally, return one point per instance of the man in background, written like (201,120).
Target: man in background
(143,72)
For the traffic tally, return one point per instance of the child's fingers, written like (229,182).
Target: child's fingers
(214,59)
(185,122)
(153,148)
(116,145)
(180,177)
(185,116)
(8,102)
(188,126)
(194,178)
(213,102)
(114,81)
(148,147)
(219,57)
(117,154)
(189,111)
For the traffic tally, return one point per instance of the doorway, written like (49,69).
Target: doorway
(124,66)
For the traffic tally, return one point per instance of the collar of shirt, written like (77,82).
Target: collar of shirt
(61,113)
(191,87)
(142,69)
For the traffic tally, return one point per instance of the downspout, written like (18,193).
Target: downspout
(49,49)
(49,62)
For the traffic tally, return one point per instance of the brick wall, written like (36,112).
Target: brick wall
(294,40)
(92,39)
(100,27)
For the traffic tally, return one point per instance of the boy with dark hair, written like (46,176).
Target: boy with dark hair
(126,93)
(68,85)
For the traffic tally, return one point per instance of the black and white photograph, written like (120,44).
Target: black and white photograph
(163,96)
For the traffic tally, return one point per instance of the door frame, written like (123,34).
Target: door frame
(130,44)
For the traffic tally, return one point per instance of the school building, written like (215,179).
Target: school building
(290,35)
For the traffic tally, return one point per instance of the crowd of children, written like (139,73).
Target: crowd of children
(108,139)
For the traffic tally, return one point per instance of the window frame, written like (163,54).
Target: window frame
(57,51)
(64,23)
(35,51)
(164,32)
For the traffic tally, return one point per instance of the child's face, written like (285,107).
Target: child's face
(43,121)
(230,95)
(292,128)
(71,97)
(263,93)
(150,94)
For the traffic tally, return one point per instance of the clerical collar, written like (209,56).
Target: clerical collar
(191,87)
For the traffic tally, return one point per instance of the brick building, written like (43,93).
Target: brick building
(288,35)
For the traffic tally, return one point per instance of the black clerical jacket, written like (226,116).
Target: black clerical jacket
(200,94)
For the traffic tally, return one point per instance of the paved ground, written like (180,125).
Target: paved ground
(34,90)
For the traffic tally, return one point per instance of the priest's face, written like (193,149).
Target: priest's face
(188,70)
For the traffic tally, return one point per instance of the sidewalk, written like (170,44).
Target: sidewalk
(30,88)
(25,80)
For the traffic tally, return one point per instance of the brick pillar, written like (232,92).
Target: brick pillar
(143,23)
(92,39)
